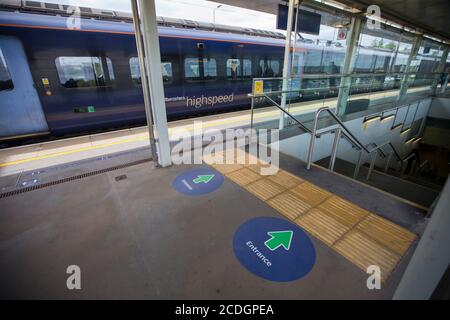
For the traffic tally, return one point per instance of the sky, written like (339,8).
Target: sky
(198,10)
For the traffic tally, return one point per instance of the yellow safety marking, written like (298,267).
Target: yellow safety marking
(322,226)
(265,189)
(364,251)
(358,235)
(387,233)
(311,193)
(244,176)
(62,153)
(289,205)
(285,179)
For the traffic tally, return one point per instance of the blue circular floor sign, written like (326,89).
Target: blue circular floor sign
(198,181)
(274,249)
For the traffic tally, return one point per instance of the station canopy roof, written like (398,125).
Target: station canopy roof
(428,16)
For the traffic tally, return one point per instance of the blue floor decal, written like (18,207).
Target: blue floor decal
(274,249)
(198,181)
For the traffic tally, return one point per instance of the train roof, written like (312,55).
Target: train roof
(55,16)
(126,17)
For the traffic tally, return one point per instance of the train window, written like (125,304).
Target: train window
(269,68)
(79,72)
(200,69)
(166,68)
(6,82)
(239,69)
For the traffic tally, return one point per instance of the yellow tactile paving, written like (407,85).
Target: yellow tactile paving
(227,168)
(289,205)
(362,237)
(285,179)
(387,233)
(363,251)
(311,193)
(265,189)
(244,176)
(322,226)
(344,211)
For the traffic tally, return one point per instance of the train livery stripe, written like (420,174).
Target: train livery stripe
(132,33)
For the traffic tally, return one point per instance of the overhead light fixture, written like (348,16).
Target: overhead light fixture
(397,126)
(417,139)
(339,5)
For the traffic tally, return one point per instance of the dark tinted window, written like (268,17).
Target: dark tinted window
(166,70)
(200,69)
(238,69)
(78,72)
(6,82)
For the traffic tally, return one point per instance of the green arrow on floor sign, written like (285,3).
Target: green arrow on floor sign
(204,178)
(278,239)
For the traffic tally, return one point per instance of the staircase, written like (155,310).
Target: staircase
(389,182)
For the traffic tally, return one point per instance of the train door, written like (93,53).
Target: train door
(20,109)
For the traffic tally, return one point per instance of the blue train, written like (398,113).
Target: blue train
(55,80)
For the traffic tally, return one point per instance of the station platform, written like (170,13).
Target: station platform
(148,241)
(17,160)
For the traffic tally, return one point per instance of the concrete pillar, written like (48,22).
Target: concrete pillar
(349,64)
(286,68)
(414,50)
(155,79)
(432,255)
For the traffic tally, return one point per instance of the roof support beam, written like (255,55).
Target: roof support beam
(286,61)
(349,64)
(440,69)
(412,56)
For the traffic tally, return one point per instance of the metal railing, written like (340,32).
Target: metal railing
(372,152)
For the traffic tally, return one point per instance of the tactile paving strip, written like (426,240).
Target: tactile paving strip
(363,251)
(322,226)
(265,189)
(244,176)
(289,205)
(387,233)
(362,237)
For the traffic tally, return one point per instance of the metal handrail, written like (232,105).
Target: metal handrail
(355,142)
(351,75)
(281,109)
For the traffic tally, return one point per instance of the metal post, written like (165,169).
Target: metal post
(388,162)
(431,257)
(337,136)
(358,165)
(414,50)
(372,164)
(312,141)
(349,63)
(153,65)
(440,69)
(286,69)
(145,88)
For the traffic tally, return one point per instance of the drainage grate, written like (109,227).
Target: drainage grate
(77,177)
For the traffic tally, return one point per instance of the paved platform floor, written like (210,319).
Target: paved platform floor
(138,238)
